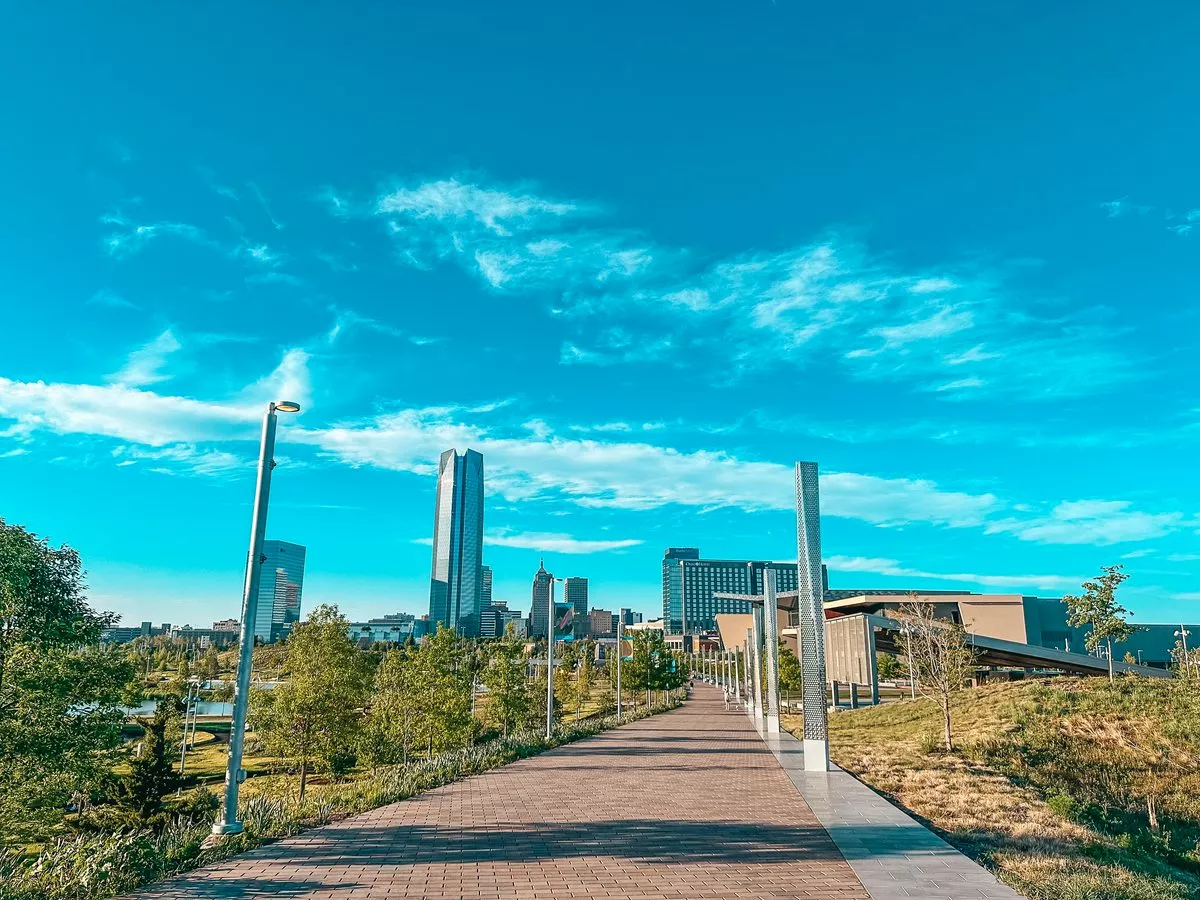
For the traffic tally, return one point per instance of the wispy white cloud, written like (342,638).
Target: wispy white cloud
(955,331)
(135,415)
(894,569)
(145,365)
(265,206)
(1186,595)
(451,200)
(634,475)
(535,462)
(347,320)
(555,543)
(105,297)
(128,237)
(1095,522)
(16,451)
(185,458)
(1123,207)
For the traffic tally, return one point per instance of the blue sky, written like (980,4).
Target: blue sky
(643,258)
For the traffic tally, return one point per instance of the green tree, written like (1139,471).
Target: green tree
(441,682)
(60,693)
(212,663)
(388,730)
(152,771)
(585,676)
(509,696)
(888,666)
(313,716)
(1097,608)
(650,666)
(790,674)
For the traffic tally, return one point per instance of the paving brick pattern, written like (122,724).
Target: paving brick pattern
(687,804)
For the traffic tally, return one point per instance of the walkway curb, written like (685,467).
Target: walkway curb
(894,856)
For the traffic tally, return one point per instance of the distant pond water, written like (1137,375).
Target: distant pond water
(203,708)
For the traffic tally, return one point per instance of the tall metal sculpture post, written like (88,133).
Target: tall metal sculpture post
(770,615)
(737,677)
(747,667)
(812,617)
(756,651)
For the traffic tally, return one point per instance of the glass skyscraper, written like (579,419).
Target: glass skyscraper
(539,610)
(456,577)
(575,592)
(279,590)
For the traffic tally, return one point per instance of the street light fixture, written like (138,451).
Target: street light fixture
(228,821)
(550,661)
(1182,634)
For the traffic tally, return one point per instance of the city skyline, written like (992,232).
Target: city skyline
(641,291)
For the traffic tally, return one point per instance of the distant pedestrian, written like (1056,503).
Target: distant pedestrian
(725,694)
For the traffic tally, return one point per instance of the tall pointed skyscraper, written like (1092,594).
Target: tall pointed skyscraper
(456,578)
(539,609)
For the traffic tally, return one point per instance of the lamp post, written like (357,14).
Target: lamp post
(550,661)
(1182,634)
(228,821)
(620,626)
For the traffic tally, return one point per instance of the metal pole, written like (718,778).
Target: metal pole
(187,712)
(550,666)
(771,627)
(811,617)
(619,626)
(757,665)
(912,673)
(228,823)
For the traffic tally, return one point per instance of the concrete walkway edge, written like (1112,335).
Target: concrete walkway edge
(894,856)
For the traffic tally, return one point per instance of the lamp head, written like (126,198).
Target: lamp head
(288,406)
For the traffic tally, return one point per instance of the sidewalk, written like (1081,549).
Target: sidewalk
(687,804)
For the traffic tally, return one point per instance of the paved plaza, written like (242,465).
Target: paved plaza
(687,804)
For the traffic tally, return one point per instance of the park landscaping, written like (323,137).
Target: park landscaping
(92,805)
(1066,788)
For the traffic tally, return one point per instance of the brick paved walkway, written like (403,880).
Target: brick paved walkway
(687,804)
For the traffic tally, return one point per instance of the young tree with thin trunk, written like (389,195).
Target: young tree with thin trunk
(314,715)
(509,697)
(941,656)
(1097,608)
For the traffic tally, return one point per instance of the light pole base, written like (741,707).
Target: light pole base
(772,724)
(220,829)
(816,755)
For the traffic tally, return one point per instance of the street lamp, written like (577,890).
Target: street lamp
(550,661)
(620,625)
(228,822)
(1182,634)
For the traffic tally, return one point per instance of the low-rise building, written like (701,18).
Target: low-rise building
(395,628)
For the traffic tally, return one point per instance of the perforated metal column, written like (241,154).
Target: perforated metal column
(760,706)
(812,617)
(771,644)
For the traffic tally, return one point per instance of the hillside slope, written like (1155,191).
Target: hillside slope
(1069,788)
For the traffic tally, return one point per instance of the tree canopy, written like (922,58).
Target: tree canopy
(60,693)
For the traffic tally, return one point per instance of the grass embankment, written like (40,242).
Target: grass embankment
(1068,789)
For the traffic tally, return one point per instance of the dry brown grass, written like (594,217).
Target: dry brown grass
(1006,825)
